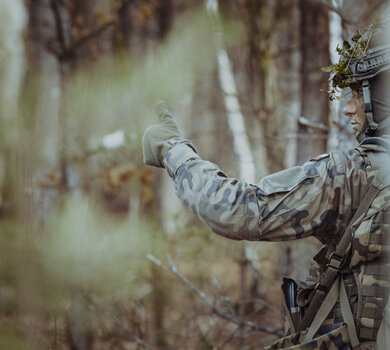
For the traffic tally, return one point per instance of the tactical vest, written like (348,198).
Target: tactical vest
(348,306)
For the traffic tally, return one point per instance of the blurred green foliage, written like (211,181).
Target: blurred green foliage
(86,250)
(59,244)
(11,338)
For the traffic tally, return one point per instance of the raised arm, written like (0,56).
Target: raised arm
(291,204)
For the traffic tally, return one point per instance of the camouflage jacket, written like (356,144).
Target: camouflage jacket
(316,199)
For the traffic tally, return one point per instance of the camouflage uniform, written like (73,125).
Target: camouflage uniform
(316,199)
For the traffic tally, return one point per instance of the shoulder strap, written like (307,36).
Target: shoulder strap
(337,291)
(343,248)
(336,259)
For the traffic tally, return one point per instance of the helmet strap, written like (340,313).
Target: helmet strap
(372,126)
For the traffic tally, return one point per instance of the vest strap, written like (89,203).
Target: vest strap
(368,333)
(347,315)
(378,269)
(324,310)
(337,258)
(372,312)
(337,291)
(375,291)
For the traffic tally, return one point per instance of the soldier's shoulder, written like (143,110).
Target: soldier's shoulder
(375,144)
(349,161)
(377,150)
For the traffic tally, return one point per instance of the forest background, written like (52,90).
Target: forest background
(96,251)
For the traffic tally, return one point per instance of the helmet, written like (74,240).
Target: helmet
(360,65)
(375,61)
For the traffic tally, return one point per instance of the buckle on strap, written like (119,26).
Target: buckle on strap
(322,288)
(335,261)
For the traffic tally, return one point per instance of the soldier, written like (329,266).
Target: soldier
(340,198)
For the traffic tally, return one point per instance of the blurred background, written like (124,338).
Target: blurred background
(96,251)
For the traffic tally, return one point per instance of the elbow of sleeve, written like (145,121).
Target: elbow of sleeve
(231,225)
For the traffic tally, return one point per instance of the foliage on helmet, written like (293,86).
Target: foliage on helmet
(341,73)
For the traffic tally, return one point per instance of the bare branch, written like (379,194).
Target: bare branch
(201,294)
(375,8)
(63,51)
(329,5)
(310,124)
(337,10)
(229,338)
(297,136)
(119,322)
(128,330)
(90,36)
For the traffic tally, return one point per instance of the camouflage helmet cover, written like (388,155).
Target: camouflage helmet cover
(361,61)
(363,58)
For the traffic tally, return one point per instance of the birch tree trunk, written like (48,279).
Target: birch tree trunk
(242,148)
(335,38)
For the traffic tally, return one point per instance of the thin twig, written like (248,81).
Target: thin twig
(230,337)
(306,122)
(119,322)
(202,295)
(342,14)
(296,136)
(67,51)
(90,36)
(337,10)
(263,303)
(128,330)
(374,8)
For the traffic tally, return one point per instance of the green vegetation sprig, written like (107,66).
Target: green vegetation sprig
(341,73)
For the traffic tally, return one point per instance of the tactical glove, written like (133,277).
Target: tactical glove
(155,143)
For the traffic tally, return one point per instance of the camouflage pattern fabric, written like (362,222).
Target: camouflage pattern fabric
(316,199)
(335,340)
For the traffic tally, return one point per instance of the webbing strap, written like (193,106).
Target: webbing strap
(368,333)
(336,260)
(380,238)
(372,126)
(338,289)
(375,291)
(372,312)
(347,315)
(324,310)
(343,247)
(378,269)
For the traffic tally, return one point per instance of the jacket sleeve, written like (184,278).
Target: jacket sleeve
(287,205)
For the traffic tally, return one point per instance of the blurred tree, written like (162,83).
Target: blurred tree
(92,66)
(315,55)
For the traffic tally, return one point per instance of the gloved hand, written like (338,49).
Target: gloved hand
(154,141)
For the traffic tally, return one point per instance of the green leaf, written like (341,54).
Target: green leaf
(328,69)
(346,44)
(356,36)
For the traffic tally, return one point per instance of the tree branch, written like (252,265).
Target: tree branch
(65,51)
(202,295)
(90,36)
(337,10)
(306,122)
(375,7)
(119,322)
(329,5)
